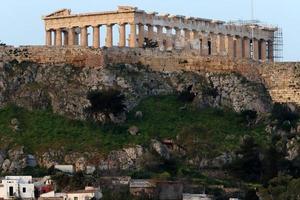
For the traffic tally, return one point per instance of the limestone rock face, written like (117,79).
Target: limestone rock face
(64,88)
(161,149)
(293,148)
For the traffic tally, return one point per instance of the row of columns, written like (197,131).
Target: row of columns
(209,43)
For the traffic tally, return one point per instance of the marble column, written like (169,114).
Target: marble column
(159,37)
(238,47)
(246,47)
(214,44)
(122,35)
(270,50)
(66,38)
(150,32)
(84,37)
(221,45)
(58,37)
(132,43)
(71,37)
(187,37)
(169,40)
(255,49)
(263,49)
(204,48)
(141,37)
(229,46)
(109,35)
(48,38)
(96,36)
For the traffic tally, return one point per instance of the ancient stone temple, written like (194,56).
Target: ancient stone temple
(210,37)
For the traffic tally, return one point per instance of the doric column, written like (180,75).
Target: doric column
(141,35)
(204,48)
(159,36)
(169,42)
(270,51)
(122,35)
(255,49)
(71,37)
(132,35)
(187,37)
(246,47)
(221,45)
(229,46)
(96,36)
(48,38)
(54,38)
(263,49)
(214,44)
(109,35)
(83,37)
(66,38)
(76,40)
(150,31)
(58,37)
(238,47)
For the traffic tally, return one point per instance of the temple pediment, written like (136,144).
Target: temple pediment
(60,13)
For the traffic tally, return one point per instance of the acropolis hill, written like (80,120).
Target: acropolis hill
(184,44)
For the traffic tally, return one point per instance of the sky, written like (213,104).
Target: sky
(21,23)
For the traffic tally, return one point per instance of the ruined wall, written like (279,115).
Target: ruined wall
(77,56)
(281,79)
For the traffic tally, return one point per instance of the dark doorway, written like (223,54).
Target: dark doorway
(11,191)
(209,47)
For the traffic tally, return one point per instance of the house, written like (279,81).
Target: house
(13,187)
(65,168)
(53,196)
(142,188)
(187,196)
(86,194)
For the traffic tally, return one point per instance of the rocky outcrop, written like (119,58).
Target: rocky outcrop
(64,88)
(15,159)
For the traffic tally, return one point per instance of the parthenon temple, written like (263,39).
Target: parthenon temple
(210,37)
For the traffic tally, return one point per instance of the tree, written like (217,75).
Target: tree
(248,165)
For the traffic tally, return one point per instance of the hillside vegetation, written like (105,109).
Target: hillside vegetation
(217,130)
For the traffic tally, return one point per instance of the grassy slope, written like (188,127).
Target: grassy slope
(216,130)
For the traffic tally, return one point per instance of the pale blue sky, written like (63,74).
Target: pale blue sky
(20,20)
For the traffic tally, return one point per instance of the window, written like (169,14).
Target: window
(75,198)
(24,190)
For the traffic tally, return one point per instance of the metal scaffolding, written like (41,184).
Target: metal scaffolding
(277,44)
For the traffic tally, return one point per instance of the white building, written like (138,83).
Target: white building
(17,187)
(196,197)
(86,194)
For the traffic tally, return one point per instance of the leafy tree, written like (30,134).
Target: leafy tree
(248,166)
(285,116)
(106,102)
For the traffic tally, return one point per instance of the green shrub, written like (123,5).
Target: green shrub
(187,95)
(283,114)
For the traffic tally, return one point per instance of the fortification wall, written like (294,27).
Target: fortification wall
(281,79)
(76,56)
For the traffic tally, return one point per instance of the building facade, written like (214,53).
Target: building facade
(13,187)
(210,37)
